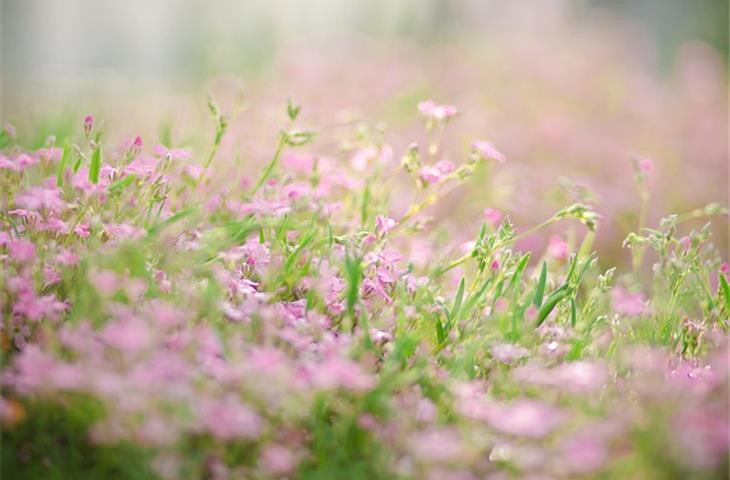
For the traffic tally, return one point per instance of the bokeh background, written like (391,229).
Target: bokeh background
(570,91)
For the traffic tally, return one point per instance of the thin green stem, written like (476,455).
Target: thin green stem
(266,174)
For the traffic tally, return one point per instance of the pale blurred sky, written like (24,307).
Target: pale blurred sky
(55,44)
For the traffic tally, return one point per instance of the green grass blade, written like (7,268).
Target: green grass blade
(540,289)
(292,258)
(556,297)
(573,313)
(474,298)
(122,183)
(353,272)
(517,276)
(725,292)
(454,312)
(65,157)
(95,167)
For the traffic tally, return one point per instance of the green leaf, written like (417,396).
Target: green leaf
(77,164)
(573,313)
(292,109)
(725,291)
(555,298)
(95,167)
(518,271)
(4,139)
(440,333)
(540,289)
(155,229)
(474,298)
(588,262)
(365,203)
(353,273)
(122,183)
(65,157)
(292,258)
(454,312)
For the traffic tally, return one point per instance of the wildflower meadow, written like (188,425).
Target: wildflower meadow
(271,286)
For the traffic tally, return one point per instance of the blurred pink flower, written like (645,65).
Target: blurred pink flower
(88,124)
(82,230)
(172,153)
(38,198)
(558,248)
(384,224)
(488,151)
(527,418)
(22,251)
(340,372)
(300,163)
(277,459)
(645,165)
(573,377)
(35,308)
(508,353)
(436,173)
(631,304)
(129,335)
(437,445)
(436,112)
(581,454)
(492,216)
(229,419)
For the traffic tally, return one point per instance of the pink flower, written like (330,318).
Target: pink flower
(436,173)
(255,254)
(384,224)
(22,251)
(67,258)
(88,124)
(106,282)
(645,165)
(129,335)
(7,164)
(631,304)
(487,151)
(35,308)
(38,198)
(574,377)
(340,372)
(31,369)
(229,419)
(82,230)
(277,459)
(437,445)
(137,142)
(582,454)
(508,353)
(558,248)
(493,216)
(50,275)
(56,225)
(429,175)
(53,153)
(300,163)
(436,112)
(173,154)
(194,171)
(526,418)
(725,268)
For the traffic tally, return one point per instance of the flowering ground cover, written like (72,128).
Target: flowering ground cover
(176,315)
